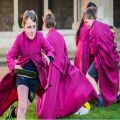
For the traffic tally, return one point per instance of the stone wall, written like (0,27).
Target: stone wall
(6,15)
(63,12)
(7,39)
(117,37)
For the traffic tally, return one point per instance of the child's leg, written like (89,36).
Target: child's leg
(22,101)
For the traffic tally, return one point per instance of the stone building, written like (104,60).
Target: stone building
(67,12)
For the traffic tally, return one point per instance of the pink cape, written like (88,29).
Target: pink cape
(106,60)
(83,56)
(69,88)
(23,50)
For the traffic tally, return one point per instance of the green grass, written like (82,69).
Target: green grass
(31,115)
(106,113)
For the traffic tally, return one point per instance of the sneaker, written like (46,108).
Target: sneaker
(82,111)
(9,116)
(118,98)
(87,105)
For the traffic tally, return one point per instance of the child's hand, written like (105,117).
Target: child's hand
(46,58)
(18,67)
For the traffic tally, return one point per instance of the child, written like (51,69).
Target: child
(104,68)
(25,53)
(69,89)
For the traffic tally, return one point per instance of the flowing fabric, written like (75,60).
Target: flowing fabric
(103,47)
(24,49)
(83,56)
(69,89)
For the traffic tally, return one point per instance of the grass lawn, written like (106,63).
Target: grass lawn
(31,115)
(107,113)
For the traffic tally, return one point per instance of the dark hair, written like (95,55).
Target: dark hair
(89,5)
(78,31)
(49,20)
(111,27)
(90,13)
(29,14)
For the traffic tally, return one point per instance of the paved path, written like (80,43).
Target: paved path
(3,71)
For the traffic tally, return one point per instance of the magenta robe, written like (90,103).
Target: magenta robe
(69,88)
(106,60)
(83,56)
(24,49)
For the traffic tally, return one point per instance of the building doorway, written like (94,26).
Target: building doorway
(116,16)
(63,10)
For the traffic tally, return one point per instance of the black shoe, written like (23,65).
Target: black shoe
(9,116)
(118,98)
(99,103)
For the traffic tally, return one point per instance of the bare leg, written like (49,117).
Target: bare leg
(93,82)
(28,105)
(22,101)
(100,102)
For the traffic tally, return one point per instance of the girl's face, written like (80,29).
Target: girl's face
(88,22)
(30,29)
